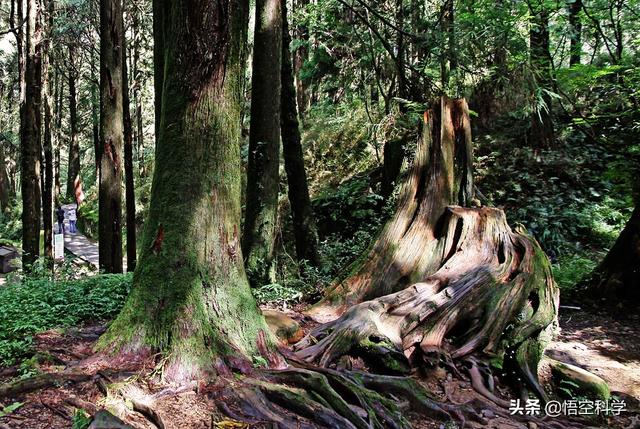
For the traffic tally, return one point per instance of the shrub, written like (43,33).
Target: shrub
(37,305)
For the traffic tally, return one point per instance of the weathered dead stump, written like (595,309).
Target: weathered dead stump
(444,283)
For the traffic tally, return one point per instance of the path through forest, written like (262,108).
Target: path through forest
(79,245)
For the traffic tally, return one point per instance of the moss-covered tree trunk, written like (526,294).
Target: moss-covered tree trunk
(74,181)
(190,298)
(111,136)
(261,213)
(304,226)
(30,134)
(443,282)
(617,278)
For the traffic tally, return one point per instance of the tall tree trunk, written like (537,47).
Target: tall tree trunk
(393,149)
(47,192)
(617,278)
(442,281)
(448,62)
(30,134)
(74,181)
(304,226)
(111,136)
(261,216)
(541,132)
(130,198)
(575,24)
(137,84)
(95,114)
(190,288)
(159,11)
(59,100)
(5,184)
(299,57)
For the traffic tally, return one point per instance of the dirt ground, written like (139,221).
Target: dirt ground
(595,341)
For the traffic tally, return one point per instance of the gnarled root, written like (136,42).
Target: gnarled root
(493,298)
(330,398)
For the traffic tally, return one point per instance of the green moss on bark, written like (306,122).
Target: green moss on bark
(190,298)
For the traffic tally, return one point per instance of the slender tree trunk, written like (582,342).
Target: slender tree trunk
(5,185)
(159,11)
(111,136)
(299,57)
(541,133)
(128,169)
(617,278)
(304,226)
(30,135)
(261,217)
(137,79)
(47,192)
(74,181)
(95,114)
(448,62)
(393,149)
(190,297)
(58,98)
(575,24)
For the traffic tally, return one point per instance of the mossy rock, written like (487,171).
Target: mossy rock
(587,383)
(283,326)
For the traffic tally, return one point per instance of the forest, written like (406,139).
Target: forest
(357,214)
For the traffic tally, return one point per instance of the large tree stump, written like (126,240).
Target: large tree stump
(443,282)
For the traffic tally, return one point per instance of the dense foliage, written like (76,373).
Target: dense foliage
(38,304)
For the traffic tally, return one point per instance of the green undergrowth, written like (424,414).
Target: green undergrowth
(36,305)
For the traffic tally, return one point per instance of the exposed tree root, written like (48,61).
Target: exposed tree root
(341,399)
(148,412)
(444,285)
(40,381)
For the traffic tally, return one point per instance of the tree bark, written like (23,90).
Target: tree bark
(189,287)
(541,132)
(74,181)
(299,57)
(5,185)
(47,192)
(575,24)
(617,278)
(111,136)
(448,62)
(58,99)
(443,283)
(30,134)
(159,12)
(261,214)
(137,84)
(130,198)
(304,226)
(393,150)
(95,114)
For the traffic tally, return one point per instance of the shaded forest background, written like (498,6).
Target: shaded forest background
(186,143)
(364,72)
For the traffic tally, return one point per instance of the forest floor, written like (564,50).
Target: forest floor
(595,341)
